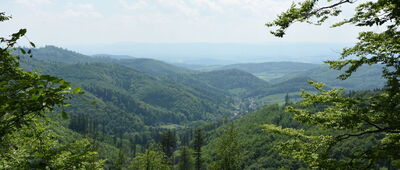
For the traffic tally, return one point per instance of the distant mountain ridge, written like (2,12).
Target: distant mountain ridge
(273,67)
(366,77)
(134,90)
(266,71)
(265,82)
(220,53)
(113,56)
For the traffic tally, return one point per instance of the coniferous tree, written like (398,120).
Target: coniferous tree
(132,146)
(121,160)
(198,142)
(229,150)
(151,159)
(168,143)
(287,99)
(185,158)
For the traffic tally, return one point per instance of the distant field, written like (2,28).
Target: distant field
(171,126)
(269,76)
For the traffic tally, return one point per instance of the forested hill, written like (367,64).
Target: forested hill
(213,84)
(145,91)
(113,56)
(288,86)
(271,67)
(129,100)
(55,54)
(366,77)
(154,67)
(149,66)
(232,80)
(152,99)
(267,70)
(224,82)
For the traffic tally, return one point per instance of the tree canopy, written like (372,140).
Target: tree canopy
(26,140)
(25,95)
(372,122)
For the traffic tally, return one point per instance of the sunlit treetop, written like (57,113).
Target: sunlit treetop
(369,13)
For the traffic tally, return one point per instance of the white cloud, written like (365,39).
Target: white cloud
(33,3)
(231,2)
(210,5)
(255,8)
(159,21)
(165,7)
(81,10)
(140,4)
(180,6)
(202,8)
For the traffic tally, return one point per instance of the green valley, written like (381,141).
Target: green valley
(129,103)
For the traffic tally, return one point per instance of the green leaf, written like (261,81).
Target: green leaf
(22,51)
(76,90)
(32,44)
(35,97)
(22,32)
(64,115)
(93,102)
(50,78)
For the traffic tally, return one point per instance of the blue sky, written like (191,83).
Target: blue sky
(76,22)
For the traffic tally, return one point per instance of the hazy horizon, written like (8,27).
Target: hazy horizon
(200,32)
(219,53)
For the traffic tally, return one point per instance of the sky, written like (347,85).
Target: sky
(79,23)
(72,22)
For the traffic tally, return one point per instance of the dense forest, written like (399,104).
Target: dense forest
(64,110)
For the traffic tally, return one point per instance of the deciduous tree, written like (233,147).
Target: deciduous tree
(26,142)
(150,159)
(347,118)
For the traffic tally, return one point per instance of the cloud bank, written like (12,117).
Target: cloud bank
(63,22)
